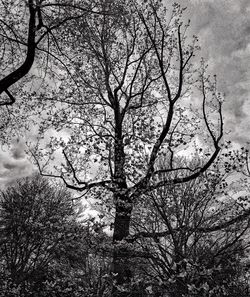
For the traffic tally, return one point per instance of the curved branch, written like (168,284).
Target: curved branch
(81,186)
(20,72)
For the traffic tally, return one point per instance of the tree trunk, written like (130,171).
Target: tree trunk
(181,285)
(121,231)
(121,264)
(123,206)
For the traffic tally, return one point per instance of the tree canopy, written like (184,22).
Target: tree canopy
(122,98)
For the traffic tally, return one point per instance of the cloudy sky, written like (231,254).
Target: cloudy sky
(13,163)
(223,28)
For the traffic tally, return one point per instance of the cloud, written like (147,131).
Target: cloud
(10,166)
(14,164)
(223,28)
(18,150)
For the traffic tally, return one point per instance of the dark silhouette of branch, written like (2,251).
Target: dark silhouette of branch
(21,71)
(238,219)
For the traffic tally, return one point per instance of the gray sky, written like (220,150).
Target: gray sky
(13,163)
(223,28)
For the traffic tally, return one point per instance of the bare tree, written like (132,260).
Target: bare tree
(194,236)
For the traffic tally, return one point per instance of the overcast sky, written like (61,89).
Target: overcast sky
(223,28)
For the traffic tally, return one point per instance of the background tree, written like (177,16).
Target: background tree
(194,236)
(39,235)
(123,102)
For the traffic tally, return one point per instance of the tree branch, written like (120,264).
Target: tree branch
(218,227)
(20,72)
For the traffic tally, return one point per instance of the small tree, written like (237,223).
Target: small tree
(195,236)
(38,228)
